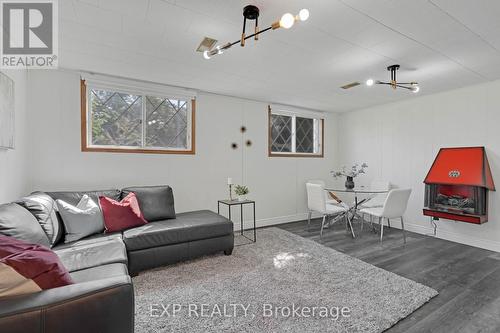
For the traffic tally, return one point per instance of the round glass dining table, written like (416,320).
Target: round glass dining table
(356,191)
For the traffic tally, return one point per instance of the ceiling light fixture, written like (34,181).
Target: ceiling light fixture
(251,12)
(303,14)
(412,86)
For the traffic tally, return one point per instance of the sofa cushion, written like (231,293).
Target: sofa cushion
(17,222)
(121,215)
(90,240)
(74,198)
(85,254)
(28,268)
(157,202)
(99,273)
(185,227)
(44,208)
(82,220)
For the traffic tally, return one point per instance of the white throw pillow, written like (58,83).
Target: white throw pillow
(81,221)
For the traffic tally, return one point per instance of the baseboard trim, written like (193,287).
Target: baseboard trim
(275,221)
(481,243)
(454,237)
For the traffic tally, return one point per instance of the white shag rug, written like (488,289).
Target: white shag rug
(282,283)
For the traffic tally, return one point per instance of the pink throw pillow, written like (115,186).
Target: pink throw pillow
(27,268)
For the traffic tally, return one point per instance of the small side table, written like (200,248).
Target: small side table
(231,203)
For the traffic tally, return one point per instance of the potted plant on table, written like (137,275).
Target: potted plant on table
(350,174)
(241,191)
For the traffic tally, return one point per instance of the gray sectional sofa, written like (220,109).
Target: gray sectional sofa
(102,298)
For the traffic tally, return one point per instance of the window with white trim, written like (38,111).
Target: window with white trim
(295,134)
(132,120)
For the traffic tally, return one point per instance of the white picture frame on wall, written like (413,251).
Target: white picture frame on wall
(7,112)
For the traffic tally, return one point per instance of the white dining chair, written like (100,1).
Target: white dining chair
(329,199)
(316,202)
(394,207)
(377,200)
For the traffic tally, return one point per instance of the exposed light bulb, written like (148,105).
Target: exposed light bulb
(219,50)
(370,82)
(415,89)
(287,21)
(206,55)
(303,14)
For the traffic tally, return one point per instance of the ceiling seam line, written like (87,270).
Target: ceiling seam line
(413,39)
(356,45)
(464,25)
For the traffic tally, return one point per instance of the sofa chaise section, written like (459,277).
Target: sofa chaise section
(189,235)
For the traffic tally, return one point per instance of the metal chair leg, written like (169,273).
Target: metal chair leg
(322,226)
(309,220)
(381,222)
(404,232)
(362,221)
(350,225)
(388,223)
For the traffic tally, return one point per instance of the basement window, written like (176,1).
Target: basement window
(116,118)
(295,134)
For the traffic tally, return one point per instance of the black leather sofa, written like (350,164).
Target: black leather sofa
(102,298)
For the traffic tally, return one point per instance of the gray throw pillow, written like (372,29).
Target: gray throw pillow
(44,208)
(156,202)
(17,222)
(82,220)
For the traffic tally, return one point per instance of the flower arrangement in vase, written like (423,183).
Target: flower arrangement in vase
(241,191)
(350,174)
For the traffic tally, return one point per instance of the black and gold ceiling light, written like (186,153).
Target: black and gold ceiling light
(251,13)
(412,86)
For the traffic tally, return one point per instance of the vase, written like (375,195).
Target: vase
(242,197)
(349,183)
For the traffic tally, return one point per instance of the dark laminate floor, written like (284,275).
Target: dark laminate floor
(467,278)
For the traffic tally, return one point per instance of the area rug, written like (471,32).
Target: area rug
(282,283)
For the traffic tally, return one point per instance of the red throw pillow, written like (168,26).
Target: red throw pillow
(27,268)
(121,215)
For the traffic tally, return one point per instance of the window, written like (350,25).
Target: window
(129,120)
(295,134)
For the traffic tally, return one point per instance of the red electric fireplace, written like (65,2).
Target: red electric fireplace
(457,185)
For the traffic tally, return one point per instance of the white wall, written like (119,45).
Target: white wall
(399,142)
(14,178)
(277,184)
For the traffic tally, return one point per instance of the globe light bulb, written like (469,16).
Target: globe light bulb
(303,14)
(206,55)
(287,21)
(415,89)
(370,82)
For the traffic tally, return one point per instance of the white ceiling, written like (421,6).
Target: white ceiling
(443,44)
